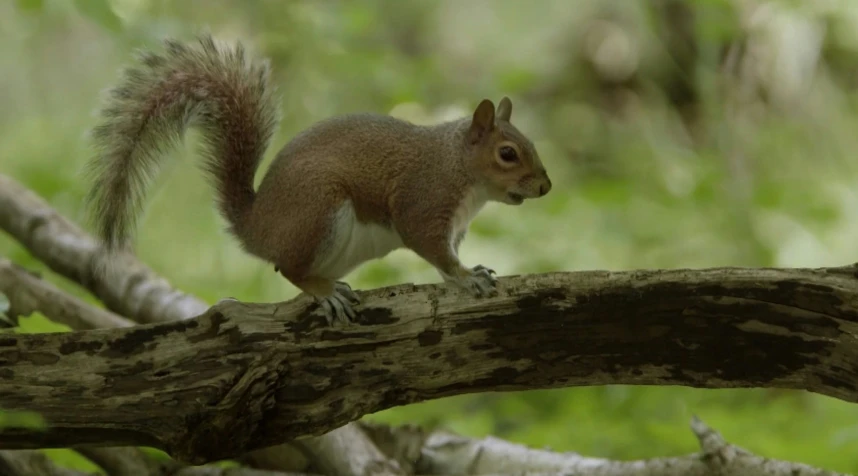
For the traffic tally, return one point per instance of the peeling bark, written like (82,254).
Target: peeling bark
(244,376)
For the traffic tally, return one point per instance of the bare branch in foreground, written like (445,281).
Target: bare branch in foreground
(246,376)
(447,453)
(135,291)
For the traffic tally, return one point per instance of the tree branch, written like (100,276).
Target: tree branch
(29,293)
(448,453)
(134,291)
(245,376)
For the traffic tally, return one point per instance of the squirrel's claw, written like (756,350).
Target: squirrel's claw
(478,268)
(346,291)
(338,306)
(481,281)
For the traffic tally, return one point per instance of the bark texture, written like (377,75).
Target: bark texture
(244,376)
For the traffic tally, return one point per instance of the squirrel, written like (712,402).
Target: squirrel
(346,190)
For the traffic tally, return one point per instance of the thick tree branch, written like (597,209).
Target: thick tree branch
(245,376)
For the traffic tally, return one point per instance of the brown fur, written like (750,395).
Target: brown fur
(351,177)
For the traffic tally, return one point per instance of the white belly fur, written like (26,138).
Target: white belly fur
(471,204)
(352,243)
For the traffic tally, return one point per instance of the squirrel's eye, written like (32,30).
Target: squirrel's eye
(507,154)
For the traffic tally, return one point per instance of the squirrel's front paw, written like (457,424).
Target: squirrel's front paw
(480,281)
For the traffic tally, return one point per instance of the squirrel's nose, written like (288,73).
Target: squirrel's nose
(545,187)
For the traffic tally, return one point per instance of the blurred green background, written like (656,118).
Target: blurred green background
(677,133)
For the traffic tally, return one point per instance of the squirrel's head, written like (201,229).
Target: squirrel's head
(506,161)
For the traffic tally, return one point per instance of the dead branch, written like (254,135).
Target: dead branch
(245,376)
(133,290)
(448,453)
(29,293)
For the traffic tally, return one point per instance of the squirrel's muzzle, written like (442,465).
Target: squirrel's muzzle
(545,187)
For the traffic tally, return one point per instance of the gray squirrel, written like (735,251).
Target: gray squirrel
(344,191)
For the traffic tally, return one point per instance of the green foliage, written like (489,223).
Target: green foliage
(100,12)
(30,5)
(71,459)
(17,419)
(778,190)
(39,324)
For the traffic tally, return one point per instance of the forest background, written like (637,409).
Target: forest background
(678,134)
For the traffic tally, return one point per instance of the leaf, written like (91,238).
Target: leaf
(37,323)
(100,12)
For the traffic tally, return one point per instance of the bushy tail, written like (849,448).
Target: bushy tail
(221,91)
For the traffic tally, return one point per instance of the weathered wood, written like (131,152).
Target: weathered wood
(245,376)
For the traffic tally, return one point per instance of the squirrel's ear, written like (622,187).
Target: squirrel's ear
(484,120)
(504,109)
